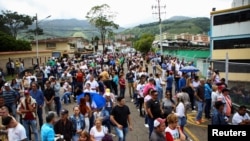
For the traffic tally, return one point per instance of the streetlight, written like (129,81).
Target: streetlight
(37,59)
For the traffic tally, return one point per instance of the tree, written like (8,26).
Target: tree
(102,18)
(9,43)
(144,43)
(15,22)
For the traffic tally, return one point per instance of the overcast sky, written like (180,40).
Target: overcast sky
(130,12)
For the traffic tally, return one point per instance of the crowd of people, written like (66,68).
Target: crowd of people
(163,99)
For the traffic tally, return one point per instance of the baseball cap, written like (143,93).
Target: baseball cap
(225,90)
(64,111)
(7,84)
(158,121)
(107,92)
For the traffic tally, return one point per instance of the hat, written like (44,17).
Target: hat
(51,77)
(158,121)
(225,90)
(64,111)
(7,84)
(220,87)
(26,92)
(107,92)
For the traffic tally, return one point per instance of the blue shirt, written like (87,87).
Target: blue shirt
(208,91)
(47,132)
(170,80)
(182,83)
(38,96)
(116,80)
(164,66)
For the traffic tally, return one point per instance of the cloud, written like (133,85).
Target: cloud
(129,11)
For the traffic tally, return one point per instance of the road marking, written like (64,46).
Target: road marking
(190,120)
(191,134)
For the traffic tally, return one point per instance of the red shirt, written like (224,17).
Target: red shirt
(122,80)
(28,115)
(79,77)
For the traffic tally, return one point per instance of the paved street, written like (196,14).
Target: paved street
(140,132)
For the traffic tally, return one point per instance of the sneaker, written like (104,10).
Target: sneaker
(132,100)
(193,111)
(138,110)
(197,122)
(113,135)
(146,125)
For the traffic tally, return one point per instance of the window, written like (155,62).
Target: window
(51,45)
(233,66)
(232,43)
(241,16)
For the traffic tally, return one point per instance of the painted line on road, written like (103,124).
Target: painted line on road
(191,134)
(193,123)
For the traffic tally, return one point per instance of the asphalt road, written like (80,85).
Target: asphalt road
(140,132)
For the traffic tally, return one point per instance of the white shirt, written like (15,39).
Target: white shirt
(98,135)
(175,133)
(180,110)
(214,97)
(93,85)
(17,133)
(140,88)
(237,118)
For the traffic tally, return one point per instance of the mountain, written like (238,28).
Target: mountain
(179,18)
(66,28)
(174,25)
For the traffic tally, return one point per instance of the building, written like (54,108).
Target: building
(60,46)
(230,34)
(237,3)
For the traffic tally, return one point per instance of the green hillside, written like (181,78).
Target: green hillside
(191,25)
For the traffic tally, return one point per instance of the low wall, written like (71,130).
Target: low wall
(28,57)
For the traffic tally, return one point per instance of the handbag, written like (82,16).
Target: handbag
(107,137)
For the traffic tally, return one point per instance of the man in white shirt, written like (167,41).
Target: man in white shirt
(241,117)
(16,131)
(93,83)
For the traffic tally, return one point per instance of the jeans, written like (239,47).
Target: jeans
(121,133)
(31,123)
(141,101)
(57,105)
(122,92)
(182,121)
(66,97)
(154,69)
(208,108)
(75,137)
(160,93)
(150,125)
(107,124)
(40,116)
(13,108)
(200,109)
(146,119)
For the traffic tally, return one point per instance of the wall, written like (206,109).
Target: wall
(231,29)
(234,54)
(29,57)
(59,47)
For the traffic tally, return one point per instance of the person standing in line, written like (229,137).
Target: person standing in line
(200,97)
(78,122)
(170,80)
(120,117)
(122,84)
(47,131)
(49,95)
(56,86)
(130,78)
(64,126)
(16,131)
(154,110)
(158,132)
(208,98)
(28,108)
(38,96)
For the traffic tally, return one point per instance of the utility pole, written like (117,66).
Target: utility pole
(37,59)
(158,12)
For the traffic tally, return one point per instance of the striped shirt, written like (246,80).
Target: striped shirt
(9,96)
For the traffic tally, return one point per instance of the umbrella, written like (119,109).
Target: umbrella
(189,69)
(96,98)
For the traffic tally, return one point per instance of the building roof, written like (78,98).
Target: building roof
(56,40)
(230,9)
